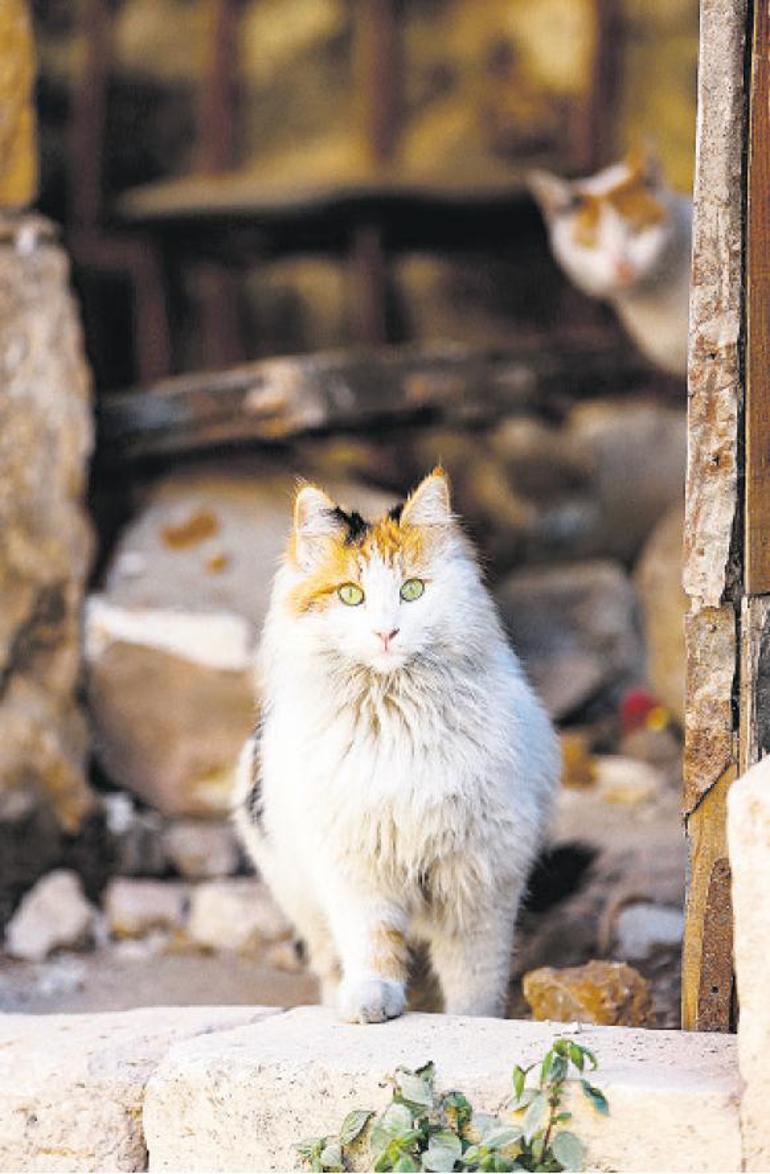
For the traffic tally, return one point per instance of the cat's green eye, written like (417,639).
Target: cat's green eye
(412,589)
(351,594)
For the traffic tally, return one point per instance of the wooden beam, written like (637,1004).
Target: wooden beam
(757,411)
(276,400)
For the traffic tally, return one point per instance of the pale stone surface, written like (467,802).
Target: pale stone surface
(235,915)
(202,849)
(136,907)
(626,780)
(611,993)
(54,914)
(240,1099)
(574,625)
(45,441)
(748,828)
(663,604)
(641,928)
(72,1086)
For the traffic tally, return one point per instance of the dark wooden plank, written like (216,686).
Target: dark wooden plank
(757,410)
(279,399)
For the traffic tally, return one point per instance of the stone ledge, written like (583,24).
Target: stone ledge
(72,1086)
(239,1099)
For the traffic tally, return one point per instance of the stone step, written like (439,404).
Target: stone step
(232,1089)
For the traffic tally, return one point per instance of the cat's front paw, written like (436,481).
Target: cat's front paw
(370,1000)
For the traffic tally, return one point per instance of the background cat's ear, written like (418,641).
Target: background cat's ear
(644,164)
(552,193)
(429,504)
(316,519)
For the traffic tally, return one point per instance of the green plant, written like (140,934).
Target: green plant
(422,1129)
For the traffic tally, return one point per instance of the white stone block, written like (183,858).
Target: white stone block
(72,1086)
(749,846)
(239,1100)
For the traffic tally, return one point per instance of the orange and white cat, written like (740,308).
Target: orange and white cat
(400,781)
(622,235)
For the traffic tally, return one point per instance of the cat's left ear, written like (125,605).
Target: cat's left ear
(552,193)
(430,504)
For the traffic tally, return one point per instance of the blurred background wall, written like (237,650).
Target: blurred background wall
(454,94)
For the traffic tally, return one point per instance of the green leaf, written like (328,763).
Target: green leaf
(534,1118)
(577,1056)
(417,1090)
(559,1069)
(444,1149)
(519,1078)
(568,1150)
(383,1161)
(545,1067)
(457,1109)
(484,1123)
(502,1137)
(538,1147)
(395,1121)
(564,1116)
(354,1125)
(405,1162)
(306,1147)
(331,1156)
(426,1071)
(596,1097)
(472,1155)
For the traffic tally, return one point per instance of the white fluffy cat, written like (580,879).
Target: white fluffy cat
(623,236)
(399,783)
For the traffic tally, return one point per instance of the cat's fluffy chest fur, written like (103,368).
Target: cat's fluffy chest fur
(398,801)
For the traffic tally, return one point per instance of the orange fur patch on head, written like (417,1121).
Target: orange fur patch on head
(342,559)
(585,222)
(634,201)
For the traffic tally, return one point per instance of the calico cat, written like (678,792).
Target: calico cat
(401,777)
(623,236)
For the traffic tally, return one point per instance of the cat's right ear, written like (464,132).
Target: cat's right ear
(316,519)
(552,193)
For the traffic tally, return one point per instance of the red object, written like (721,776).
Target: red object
(635,708)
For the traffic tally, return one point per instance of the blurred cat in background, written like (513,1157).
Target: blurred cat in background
(623,236)
(399,784)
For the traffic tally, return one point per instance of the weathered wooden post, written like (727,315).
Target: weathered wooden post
(727,533)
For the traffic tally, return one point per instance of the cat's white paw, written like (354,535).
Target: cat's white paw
(370,1000)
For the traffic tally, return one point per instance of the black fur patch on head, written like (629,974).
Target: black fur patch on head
(396,512)
(355,526)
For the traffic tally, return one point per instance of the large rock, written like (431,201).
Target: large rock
(610,993)
(201,849)
(238,915)
(575,628)
(45,441)
(635,451)
(170,641)
(663,605)
(54,914)
(134,908)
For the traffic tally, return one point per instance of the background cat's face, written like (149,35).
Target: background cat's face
(378,595)
(609,232)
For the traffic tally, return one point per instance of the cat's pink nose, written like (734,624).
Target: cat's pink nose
(386,637)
